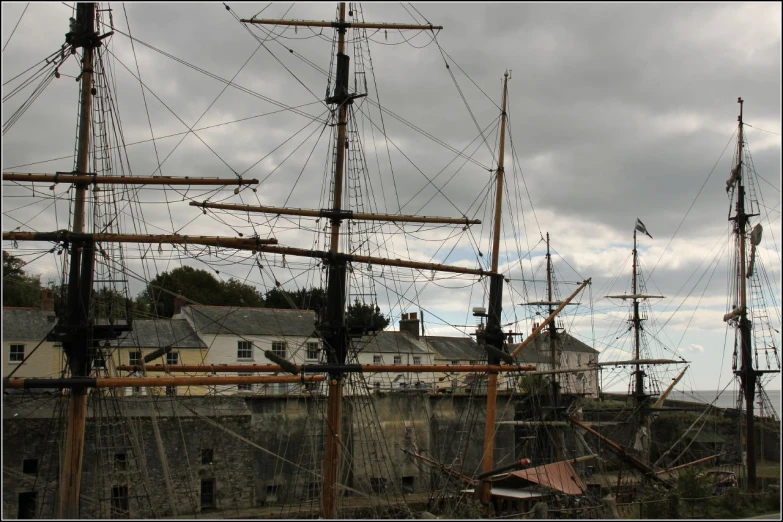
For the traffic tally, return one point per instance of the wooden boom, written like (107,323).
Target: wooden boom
(548,319)
(218,241)
(338,25)
(359,368)
(345,214)
(122,382)
(86,179)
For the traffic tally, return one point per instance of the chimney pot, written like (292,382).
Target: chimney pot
(413,316)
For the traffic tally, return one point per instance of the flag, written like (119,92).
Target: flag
(641,228)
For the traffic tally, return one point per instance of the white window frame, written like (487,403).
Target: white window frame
(172,355)
(244,388)
(12,355)
(99,361)
(171,391)
(377,359)
(416,360)
(246,347)
(280,348)
(398,359)
(132,361)
(311,351)
(455,363)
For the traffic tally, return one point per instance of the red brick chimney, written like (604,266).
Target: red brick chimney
(47,300)
(410,323)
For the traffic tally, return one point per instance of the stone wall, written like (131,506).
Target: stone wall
(252,452)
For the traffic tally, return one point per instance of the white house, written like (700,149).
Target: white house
(398,349)
(238,335)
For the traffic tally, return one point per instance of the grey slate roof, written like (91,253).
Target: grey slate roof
(389,342)
(26,324)
(567,343)
(251,321)
(455,348)
(157,333)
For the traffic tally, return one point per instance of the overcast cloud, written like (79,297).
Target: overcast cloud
(617,111)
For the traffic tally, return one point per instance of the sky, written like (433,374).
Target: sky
(616,112)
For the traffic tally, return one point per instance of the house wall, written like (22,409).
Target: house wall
(121,356)
(222,349)
(45,361)
(387,381)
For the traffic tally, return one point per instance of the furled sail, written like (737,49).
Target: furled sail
(755,240)
(735,176)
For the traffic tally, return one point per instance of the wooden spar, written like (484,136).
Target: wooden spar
(638,464)
(217,241)
(342,24)
(122,382)
(304,368)
(639,361)
(658,403)
(334,330)
(589,368)
(445,468)
(493,335)
(253,244)
(359,216)
(747,373)
(83,34)
(88,179)
(688,464)
(557,423)
(549,319)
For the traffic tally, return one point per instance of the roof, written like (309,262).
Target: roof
(157,333)
(522,494)
(455,348)
(27,324)
(567,342)
(390,342)
(560,476)
(251,321)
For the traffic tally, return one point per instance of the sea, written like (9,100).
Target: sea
(727,399)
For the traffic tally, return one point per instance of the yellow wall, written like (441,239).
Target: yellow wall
(186,356)
(44,362)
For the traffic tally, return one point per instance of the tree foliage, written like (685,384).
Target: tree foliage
(303,299)
(196,285)
(19,289)
(365,316)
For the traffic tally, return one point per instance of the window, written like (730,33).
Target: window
(313,386)
(280,349)
(16,355)
(271,493)
(26,508)
(455,363)
(98,361)
(207,493)
(378,484)
(312,351)
(407,484)
(120,462)
(417,360)
(134,358)
(473,363)
(207,456)
(171,391)
(119,502)
(137,390)
(398,359)
(172,358)
(377,359)
(30,466)
(245,387)
(244,351)
(313,490)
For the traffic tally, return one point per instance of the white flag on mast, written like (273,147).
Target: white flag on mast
(641,228)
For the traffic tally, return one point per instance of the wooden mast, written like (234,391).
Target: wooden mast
(492,335)
(746,373)
(77,339)
(332,326)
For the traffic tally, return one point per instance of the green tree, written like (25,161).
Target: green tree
(365,316)
(19,289)
(303,298)
(196,285)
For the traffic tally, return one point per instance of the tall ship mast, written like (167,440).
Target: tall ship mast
(748,310)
